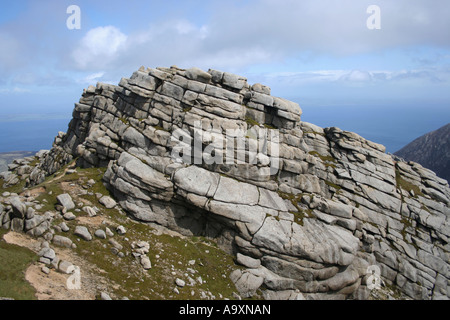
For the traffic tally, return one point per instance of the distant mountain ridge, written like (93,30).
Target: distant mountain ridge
(432,150)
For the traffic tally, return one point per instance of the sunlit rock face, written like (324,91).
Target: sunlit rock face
(312,212)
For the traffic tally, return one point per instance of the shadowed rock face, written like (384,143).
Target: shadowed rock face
(303,208)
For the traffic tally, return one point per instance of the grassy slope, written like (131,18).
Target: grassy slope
(126,276)
(14,260)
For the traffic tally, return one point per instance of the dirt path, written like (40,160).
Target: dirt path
(53,286)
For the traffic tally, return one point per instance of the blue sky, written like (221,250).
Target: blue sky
(319,53)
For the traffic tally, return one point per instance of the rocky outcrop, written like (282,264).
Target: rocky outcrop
(310,212)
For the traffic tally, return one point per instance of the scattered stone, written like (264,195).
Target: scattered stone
(64,227)
(69,216)
(65,267)
(100,234)
(108,202)
(62,241)
(83,233)
(121,230)
(47,253)
(115,244)
(145,262)
(45,270)
(90,211)
(180,282)
(104,296)
(108,232)
(66,201)
(45,260)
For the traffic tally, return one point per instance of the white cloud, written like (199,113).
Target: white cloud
(99,47)
(14,90)
(91,78)
(235,37)
(413,78)
(357,76)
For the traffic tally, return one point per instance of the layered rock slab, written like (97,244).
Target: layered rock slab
(313,207)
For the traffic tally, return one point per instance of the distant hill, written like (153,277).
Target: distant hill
(7,157)
(431,150)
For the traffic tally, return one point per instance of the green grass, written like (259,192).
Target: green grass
(328,161)
(14,260)
(301,213)
(18,188)
(131,280)
(333,185)
(270,126)
(124,121)
(125,276)
(157,127)
(406,185)
(251,122)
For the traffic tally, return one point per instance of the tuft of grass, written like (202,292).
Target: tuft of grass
(18,188)
(406,185)
(159,128)
(322,157)
(301,213)
(333,185)
(270,126)
(124,120)
(251,122)
(14,262)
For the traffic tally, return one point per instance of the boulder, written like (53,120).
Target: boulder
(66,201)
(65,267)
(83,233)
(19,208)
(108,202)
(62,241)
(100,234)
(198,75)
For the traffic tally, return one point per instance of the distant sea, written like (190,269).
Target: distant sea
(394,127)
(30,135)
